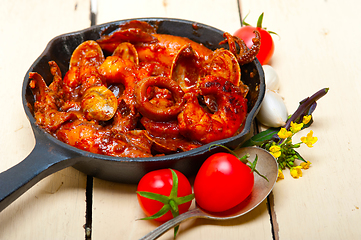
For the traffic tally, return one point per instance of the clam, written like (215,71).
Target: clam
(224,64)
(127,51)
(186,67)
(99,103)
(88,53)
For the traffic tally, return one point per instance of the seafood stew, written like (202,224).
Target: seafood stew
(119,169)
(135,92)
(51,155)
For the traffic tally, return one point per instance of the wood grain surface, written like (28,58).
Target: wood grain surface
(317,46)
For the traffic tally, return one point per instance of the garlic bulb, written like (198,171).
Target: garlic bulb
(273,111)
(271,78)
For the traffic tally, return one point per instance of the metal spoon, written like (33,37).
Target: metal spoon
(266,165)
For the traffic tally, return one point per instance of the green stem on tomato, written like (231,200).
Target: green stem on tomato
(260,20)
(242,159)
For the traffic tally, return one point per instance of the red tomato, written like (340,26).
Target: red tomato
(267,45)
(161,182)
(222,182)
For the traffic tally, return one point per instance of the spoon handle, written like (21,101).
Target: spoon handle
(159,231)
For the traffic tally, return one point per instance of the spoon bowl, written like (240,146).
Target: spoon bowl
(266,165)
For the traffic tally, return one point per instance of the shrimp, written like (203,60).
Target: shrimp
(121,69)
(167,47)
(196,122)
(88,136)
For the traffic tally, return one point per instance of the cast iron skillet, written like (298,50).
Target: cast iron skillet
(51,155)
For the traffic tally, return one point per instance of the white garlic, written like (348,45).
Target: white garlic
(273,111)
(271,78)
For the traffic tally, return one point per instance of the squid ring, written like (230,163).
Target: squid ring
(151,111)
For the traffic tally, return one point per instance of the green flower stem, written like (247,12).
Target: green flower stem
(296,145)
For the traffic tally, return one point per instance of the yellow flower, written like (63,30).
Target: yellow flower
(280,175)
(295,127)
(275,150)
(305,165)
(296,172)
(306,119)
(283,133)
(309,140)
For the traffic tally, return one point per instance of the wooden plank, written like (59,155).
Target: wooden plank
(55,207)
(219,14)
(313,52)
(115,206)
(116,213)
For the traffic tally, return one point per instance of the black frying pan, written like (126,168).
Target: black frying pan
(51,155)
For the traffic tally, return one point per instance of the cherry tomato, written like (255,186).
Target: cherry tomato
(222,182)
(162,182)
(267,45)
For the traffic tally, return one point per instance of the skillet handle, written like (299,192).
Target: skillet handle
(44,160)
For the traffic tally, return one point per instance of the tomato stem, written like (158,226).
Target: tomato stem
(260,20)
(229,150)
(259,23)
(174,208)
(242,159)
(253,168)
(170,202)
(244,22)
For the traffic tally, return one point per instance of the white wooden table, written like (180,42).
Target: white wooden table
(318,47)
